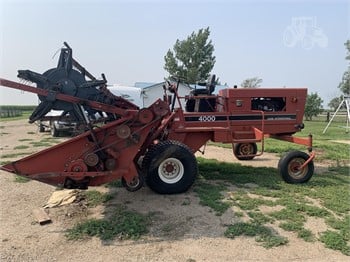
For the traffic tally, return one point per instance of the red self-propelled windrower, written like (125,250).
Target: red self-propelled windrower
(156,144)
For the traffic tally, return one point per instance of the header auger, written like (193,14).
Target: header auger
(156,144)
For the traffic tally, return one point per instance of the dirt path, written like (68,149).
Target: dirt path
(193,233)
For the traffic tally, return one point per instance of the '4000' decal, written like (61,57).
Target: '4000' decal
(206,118)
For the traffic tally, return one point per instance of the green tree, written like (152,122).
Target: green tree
(192,59)
(335,102)
(344,85)
(251,82)
(313,106)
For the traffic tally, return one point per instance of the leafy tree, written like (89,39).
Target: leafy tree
(313,106)
(344,85)
(192,59)
(335,102)
(251,82)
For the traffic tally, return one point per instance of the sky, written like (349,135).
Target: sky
(285,43)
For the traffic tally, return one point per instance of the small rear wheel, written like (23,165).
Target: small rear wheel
(290,169)
(135,184)
(245,151)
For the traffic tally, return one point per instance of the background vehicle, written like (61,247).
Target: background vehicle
(58,124)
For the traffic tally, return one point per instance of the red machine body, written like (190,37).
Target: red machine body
(157,144)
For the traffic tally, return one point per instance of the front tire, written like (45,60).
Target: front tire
(289,167)
(170,167)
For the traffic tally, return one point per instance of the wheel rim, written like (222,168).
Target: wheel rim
(246,149)
(171,170)
(294,168)
(134,183)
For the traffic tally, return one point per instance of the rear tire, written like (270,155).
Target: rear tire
(135,184)
(242,150)
(289,164)
(170,167)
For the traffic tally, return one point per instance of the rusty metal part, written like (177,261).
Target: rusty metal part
(77,166)
(145,116)
(160,108)
(91,159)
(123,131)
(110,164)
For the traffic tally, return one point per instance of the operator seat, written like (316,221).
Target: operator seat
(210,87)
(198,102)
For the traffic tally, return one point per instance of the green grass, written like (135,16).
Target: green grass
(21,147)
(14,155)
(122,224)
(343,225)
(21,179)
(25,139)
(262,233)
(210,195)
(259,218)
(116,183)
(335,240)
(330,190)
(40,144)
(95,198)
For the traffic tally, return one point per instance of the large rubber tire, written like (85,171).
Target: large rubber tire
(289,164)
(241,150)
(170,167)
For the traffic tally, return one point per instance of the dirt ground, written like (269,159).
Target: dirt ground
(180,233)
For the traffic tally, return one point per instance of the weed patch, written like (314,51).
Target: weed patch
(122,224)
(210,195)
(306,234)
(116,183)
(336,241)
(40,144)
(95,198)
(262,233)
(21,179)
(21,147)
(16,155)
(324,195)
(25,139)
(259,218)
